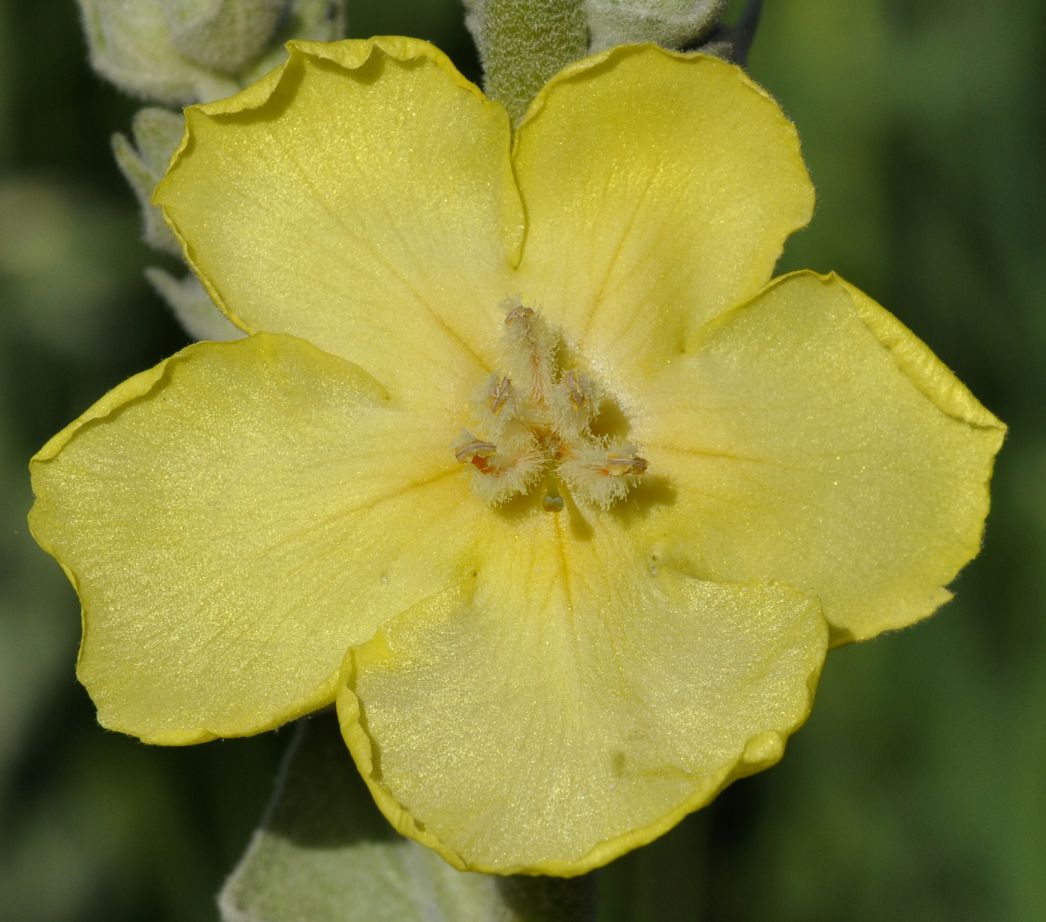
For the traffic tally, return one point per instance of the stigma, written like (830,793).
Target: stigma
(533,425)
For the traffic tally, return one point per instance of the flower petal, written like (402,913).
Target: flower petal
(362,198)
(233,519)
(572,702)
(659,189)
(812,439)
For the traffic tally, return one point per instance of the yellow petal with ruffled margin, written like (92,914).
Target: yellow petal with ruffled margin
(233,519)
(811,438)
(659,189)
(573,700)
(362,198)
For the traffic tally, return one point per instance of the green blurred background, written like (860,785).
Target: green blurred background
(918,788)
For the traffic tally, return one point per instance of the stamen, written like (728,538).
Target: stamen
(620,465)
(500,391)
(519,314)
(539,426)
(476,452)
(574,389)
(534,361)
(602,476)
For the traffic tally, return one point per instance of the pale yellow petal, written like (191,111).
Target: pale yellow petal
(233,520)
(361,198)
(574,699)
(810,438)
(659,189)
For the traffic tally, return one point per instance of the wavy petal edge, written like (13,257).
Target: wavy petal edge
(760,751)
(933,379)
(139,387)
(349,54)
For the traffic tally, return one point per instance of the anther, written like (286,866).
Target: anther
(500,390)
(521,313)
(476,452)
(574,389)
(621,465)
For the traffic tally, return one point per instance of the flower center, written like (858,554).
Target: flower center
(536,426)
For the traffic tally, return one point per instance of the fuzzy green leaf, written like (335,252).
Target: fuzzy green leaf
(156,133)
(192,306)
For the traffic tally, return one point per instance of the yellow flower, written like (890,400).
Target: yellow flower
(526,463)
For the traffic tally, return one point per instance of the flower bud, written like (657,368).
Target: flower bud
(222,35)
(178,52)
(671,23)
(130,45)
